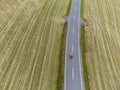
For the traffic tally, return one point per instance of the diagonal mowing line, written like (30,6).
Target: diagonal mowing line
(14,17)
(106,36)
(16,70)
(52,44)
(10,37)
(34,55)
(9,41)
(37,53)
(4,58)
(13,37)
(111,57)
(26,34)
(44,61)
(50,57)
(115,23)
(34,68)
(18,67)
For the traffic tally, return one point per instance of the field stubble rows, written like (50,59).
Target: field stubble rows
(103,43)
(30,37)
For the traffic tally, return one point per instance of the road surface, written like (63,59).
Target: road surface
(73,70)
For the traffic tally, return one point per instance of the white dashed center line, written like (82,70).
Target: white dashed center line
(73,73)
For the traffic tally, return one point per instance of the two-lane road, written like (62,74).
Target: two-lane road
(73,67)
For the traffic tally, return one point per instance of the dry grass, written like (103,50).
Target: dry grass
(30,39)
(103,43)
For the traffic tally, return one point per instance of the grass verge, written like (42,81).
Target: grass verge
(60,79)
(83,48)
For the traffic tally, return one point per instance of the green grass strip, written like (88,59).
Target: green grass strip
(60,79)
(83,48)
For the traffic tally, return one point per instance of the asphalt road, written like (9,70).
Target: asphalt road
(73,69)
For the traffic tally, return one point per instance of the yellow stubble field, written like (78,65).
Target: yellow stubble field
(30,39)
(103,43)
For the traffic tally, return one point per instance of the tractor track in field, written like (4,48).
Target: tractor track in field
(103,50)
(28,42)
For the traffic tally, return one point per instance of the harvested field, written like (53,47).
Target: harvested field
(103,43)
(30,39)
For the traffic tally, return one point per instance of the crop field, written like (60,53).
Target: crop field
(30,39)
(103,43)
